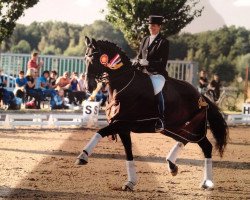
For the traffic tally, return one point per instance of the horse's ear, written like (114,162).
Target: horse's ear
(87,41)
(94,43)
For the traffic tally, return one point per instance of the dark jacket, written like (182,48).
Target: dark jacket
(2,84)
(156,54)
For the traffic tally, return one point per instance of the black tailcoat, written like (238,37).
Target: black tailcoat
(156,54)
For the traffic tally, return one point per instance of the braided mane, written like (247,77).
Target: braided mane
(111,49)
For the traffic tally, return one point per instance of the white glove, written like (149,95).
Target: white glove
(143,62)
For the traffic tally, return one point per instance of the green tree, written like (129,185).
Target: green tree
(52,50)
(241,63)
(33,34)
(102,30)
(130,16)
(10,11)
(225,69)
(58,35)
(22,47)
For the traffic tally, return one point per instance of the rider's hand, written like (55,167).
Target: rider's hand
(143,62)
(137,65)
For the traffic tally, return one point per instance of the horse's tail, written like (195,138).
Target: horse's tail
(218,126)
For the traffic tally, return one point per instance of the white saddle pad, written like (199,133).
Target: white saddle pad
(158,82)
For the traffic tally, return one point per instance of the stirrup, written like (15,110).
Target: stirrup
(159,125)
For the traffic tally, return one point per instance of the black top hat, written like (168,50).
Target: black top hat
(155,19)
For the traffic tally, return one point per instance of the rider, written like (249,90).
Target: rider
(152,57)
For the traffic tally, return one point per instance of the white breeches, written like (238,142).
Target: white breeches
(158,82)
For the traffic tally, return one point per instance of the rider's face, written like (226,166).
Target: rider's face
(154,29)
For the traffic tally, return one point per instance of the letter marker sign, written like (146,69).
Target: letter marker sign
(90,113)
(246,109)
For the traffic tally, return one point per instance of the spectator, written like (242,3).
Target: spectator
(100,94)
(32,63)
(77,95)
(43,85)
(52,80)
(215,86)
(82,82)
(74,82)
(58,101)
(30,87)
(3,82)
(64,82)
(7,97)
(21,82)
(203,82)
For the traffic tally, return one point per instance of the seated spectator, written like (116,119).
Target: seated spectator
(7,97)
(82,83)
(3,82)
(100,94)
(64,82)
(77,96)
(215,86)
(30,87)
(58,101)
(32,63)
(21,82)
(203,82)
(42,84)
(52,80)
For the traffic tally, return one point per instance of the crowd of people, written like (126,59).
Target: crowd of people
(63,92)
(212,87)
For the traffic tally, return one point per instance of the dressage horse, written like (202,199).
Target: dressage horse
(132,108)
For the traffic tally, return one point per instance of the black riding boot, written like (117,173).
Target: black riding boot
(160,124)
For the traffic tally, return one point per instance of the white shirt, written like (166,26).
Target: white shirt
(82,84)
(151,38)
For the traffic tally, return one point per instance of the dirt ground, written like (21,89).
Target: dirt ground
(39,164)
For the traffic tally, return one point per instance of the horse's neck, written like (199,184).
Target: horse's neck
(120,79)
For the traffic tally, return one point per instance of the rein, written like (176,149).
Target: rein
(127,84)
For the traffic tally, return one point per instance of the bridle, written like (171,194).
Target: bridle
(103,76)
(99,76)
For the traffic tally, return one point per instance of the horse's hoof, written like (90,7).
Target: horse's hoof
(174,172)
(172,168)
(81,162)
(82,159)
(207,185)
(128,186)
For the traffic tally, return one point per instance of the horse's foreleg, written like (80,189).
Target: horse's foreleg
(207,147)
(82,159)
(172,156)
(130,165)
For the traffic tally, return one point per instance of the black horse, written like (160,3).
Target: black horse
(132,107)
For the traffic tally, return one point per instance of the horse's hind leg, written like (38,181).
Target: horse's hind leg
(172,156)
(207,147)
(130,165)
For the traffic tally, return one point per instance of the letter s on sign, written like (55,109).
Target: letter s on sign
(95,110)
(88,109)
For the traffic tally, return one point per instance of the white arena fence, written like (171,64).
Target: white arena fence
(47,120)
(60,120)
(13,63)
